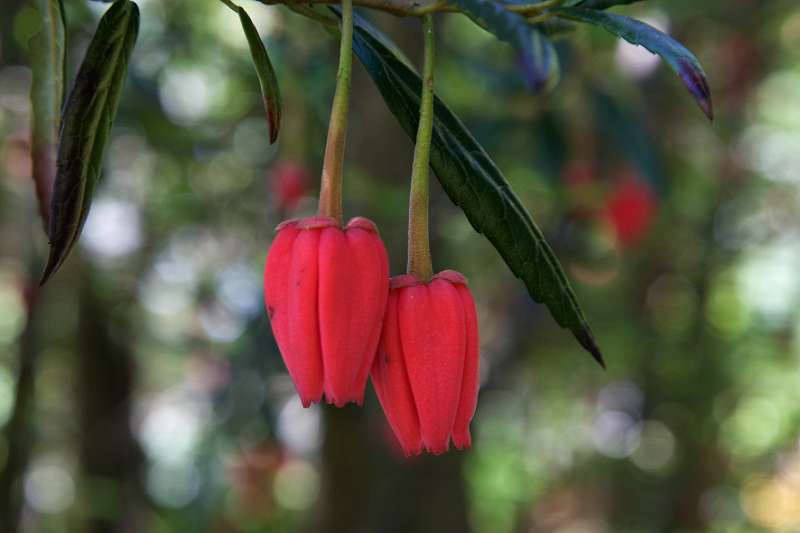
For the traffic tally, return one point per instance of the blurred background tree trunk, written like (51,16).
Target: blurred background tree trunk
(111,459)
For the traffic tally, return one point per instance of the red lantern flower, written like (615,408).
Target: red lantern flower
(325,289)
(426,371)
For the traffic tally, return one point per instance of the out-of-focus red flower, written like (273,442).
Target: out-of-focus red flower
(630,208)
(289,182)
(325,289)
(426,371)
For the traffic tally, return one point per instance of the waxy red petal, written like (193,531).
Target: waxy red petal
(281,273)
(303,357)
(334,320)
(469,386)
(369,299)
(432,332)
(390,380)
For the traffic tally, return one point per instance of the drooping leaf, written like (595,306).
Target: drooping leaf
(47,96)
(270,92)
(637,32)
(474,183)
(88,115)
(536,53)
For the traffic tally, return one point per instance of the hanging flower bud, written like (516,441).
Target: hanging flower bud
(426,371)
(325,290)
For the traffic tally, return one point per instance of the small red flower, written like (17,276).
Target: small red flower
(325,289)
(426,371)
(631,208)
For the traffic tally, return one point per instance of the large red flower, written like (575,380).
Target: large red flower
(325,289)
(426,371)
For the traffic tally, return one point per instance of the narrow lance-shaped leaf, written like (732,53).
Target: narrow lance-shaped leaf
(88,115)
(476,185)
(637,32)
(47,96)
(536,52)
(270,93)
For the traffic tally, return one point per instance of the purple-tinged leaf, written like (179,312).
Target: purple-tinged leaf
(536,53)
(637,32)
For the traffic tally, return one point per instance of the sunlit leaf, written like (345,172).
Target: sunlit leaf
(474,183)
(270,92)
(88,115)
(536,52)
(47,97)
(637,32)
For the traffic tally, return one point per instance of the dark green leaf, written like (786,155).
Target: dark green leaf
(536,53)
(47,97)
(88,115)
(476,185)
(270,92)
(637,32)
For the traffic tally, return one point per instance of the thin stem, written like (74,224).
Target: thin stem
(419,249)
(330,194)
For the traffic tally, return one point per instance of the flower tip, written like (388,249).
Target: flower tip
(462,441)
(336,402)
(310,399)
(411,453)
(439,451)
